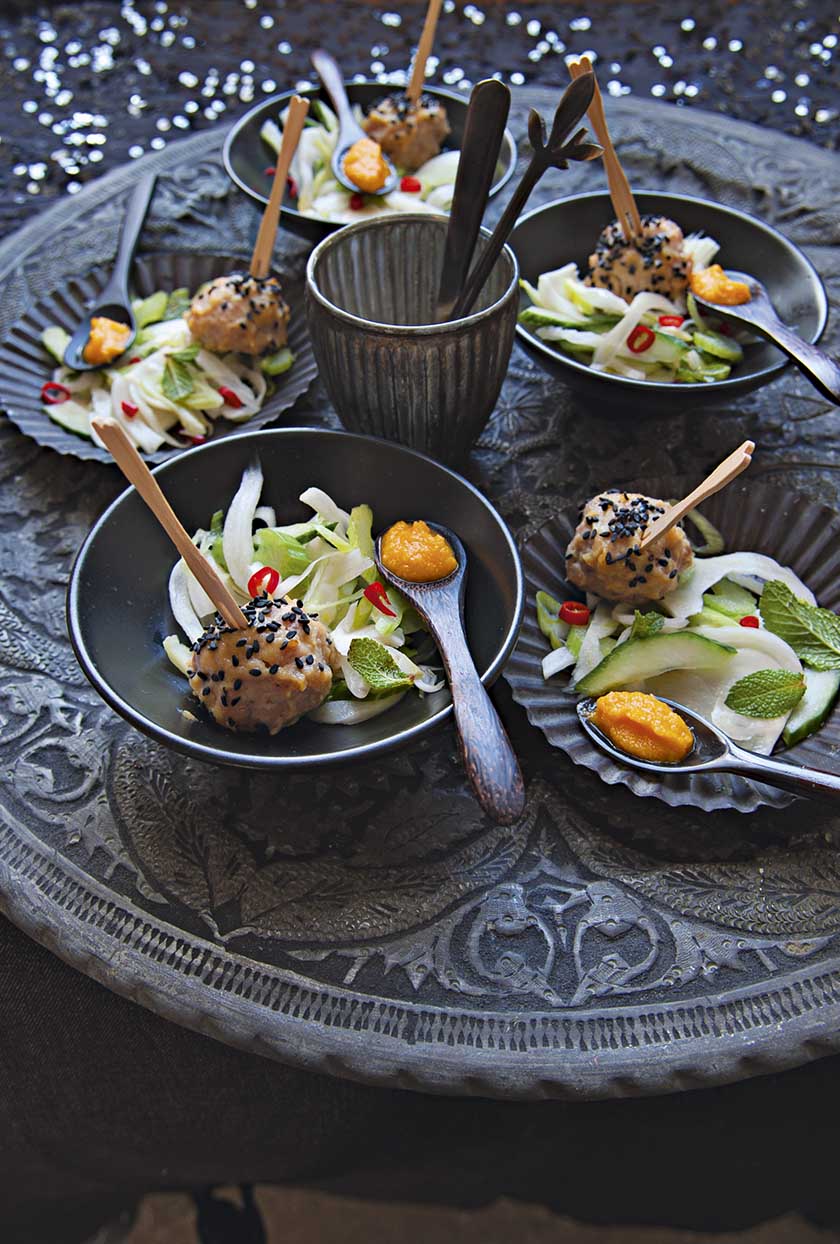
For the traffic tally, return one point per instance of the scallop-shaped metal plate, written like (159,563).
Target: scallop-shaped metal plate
(751,516)
(25,365)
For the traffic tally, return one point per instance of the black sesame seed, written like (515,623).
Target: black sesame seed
(299,663)
(206,690)
(255,673)
(310,660)
(237,684)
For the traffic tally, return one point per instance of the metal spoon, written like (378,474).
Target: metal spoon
(488,757)
(114,301)
(714,752)
(484,129)
(760,315)
(554,151)
(349,130)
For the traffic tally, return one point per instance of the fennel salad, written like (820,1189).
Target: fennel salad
(166,388)
(311,182)
(741,641)
(652,337)
(325,563)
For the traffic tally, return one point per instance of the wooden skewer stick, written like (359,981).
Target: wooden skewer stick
(137,473)
(418,70)
(719,478)
(624,205)
(264,248)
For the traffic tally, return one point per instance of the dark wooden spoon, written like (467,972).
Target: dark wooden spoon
(114,302)
(489,759)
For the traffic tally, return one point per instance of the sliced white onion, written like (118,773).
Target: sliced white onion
(323,504)
(237,537)
(557,660)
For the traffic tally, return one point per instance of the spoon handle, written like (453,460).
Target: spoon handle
(138,205)
(822,371)
(486,751)
(794,778)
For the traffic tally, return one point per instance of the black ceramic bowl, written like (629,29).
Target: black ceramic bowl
(567,230)
(246,156)
(118,608)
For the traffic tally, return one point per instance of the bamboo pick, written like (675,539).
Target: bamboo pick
(719,478)
(418,69)
(624,205)
(264,247)
(137,473)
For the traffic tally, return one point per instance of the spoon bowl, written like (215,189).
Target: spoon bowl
(714,751)
(349,130)
(761,316)
(488,757)
(114,301)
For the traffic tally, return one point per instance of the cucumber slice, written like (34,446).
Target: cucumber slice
(710,369)
(548,620)
(278,362)
(151,309)
(72,416)
(709,617)
(574,639)
(821,687)
(727,597)
(55,340)
(718,346)
(696,314)
(538,317)
(639,659)
(665,349)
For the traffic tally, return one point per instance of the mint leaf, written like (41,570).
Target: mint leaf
(813,633)
(766,693)
(646,624)
(176,304)
(176,382)
(187,354)
(376,665)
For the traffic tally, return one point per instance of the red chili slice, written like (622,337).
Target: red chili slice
(231,399)
(129,409)
(292,187)
(136,359)
(641,339)
(357,202)
(263,580)
(750,620)
(375,593)
(573,612)
(53,388)
(269,171)
(411,185)
(197,440)
(671,321)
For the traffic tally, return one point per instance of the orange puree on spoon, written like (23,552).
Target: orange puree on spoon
(107,340)
(715,286)
(414,552)
(643,726)
(364,165)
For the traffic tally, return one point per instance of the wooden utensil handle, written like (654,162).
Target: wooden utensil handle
(489,759)
(264,247)
(722,475)
(418,69)
(137,473)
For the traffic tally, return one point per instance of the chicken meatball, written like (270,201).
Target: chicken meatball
(240,313)
(603,556)
(655,261)
(268,675)
(410,133)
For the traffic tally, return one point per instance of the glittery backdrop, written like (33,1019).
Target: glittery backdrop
(85,87)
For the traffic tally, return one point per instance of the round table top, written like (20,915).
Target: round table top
(376,925)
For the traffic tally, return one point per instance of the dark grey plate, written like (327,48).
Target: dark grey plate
(119,605)
(567,230)
(246,156)
(751,515)
(25,365)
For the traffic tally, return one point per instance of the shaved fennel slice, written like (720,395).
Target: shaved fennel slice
(601,624)
(323,504)
(266,514)
(179,654)
(559,659)
(700,249)
(351,712)
(613,340)
(425,678)
(750,570)
(180,603)
(237,536)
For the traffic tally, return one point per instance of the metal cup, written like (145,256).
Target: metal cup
(390,371)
